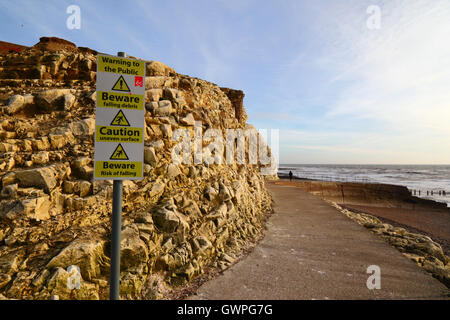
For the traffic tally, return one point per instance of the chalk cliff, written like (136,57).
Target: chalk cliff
(177,221)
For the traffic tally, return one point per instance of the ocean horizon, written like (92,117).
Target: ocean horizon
(424,178)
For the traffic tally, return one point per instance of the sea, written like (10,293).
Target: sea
(430,180)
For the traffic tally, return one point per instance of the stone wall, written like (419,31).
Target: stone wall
(374,194)
(177,221)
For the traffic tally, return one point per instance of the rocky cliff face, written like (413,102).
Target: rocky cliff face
(176,221)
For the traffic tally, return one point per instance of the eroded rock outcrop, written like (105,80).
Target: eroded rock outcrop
(419,248)
(55,220)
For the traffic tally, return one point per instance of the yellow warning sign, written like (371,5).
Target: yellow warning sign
(119,153)
(116,169)
(120,100)
(115,134)
(121,85)
(121,65)
(120,120)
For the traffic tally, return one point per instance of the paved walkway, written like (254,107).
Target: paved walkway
(312,251)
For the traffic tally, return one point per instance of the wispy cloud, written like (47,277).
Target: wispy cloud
(390,84)
(311,68)
(400,73)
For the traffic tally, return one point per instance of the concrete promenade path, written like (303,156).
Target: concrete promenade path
(312,251)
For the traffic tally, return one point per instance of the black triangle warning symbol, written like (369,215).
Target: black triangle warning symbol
(121,85)
(119,154)
(120,120)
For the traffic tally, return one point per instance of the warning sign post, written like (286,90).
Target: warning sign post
(119,138)
(120,113)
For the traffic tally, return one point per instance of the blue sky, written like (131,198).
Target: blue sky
(338,91)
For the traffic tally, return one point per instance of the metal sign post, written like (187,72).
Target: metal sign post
(116,230)
(119,138)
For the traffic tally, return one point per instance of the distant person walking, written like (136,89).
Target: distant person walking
(290,175)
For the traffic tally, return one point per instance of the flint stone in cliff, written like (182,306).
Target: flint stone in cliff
(9,191)
(157,188)
(128,187)
(4,280)
(150,156)
(146,230)
(144,218)
(9,164)
(171,94)
(153,95)
(10,262)
(133,250)
(238,190)
(53,99)
(45,177)
(157,82)
(191,209)
(82,188)
(9,178)
(83,127)
(188,120)
(40,144)
(7,147)
(210,193)
(70,186)
(166,130)
(164,108)
(170,220)
(57,286)
(18,102)
(224,192)
(131,284)
(218,215)
(87,254)
(82,169)
(40,158)
(158,144)
(193,172)
(68,100)
(156,68)
(173,171)
(57,141)
(85,188)
(151,106)
(35,208)
(201,245)
(92,96)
